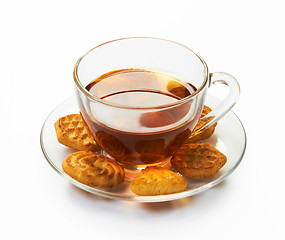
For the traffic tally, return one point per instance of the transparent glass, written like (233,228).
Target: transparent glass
(139,134)
(229,138)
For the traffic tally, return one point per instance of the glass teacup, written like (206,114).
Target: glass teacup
(142,98)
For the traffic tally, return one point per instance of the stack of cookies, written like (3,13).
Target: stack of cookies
(192,160)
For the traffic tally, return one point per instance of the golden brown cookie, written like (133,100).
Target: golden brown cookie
(198,160)
(72,131)
(157,181)
(177,89)
(207,132)
(93,169)
(115,148)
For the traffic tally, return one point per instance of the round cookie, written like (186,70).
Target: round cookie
(157,181)
(93,169)
(198,160)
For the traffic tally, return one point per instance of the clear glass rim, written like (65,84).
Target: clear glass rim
(82,89)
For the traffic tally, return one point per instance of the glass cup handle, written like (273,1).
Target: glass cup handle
(226,105)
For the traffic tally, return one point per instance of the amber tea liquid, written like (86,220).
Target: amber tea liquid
(146,135)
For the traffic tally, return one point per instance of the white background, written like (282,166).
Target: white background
(40,43)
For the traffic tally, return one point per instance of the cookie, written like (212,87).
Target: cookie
(113,146)
(205,134)
(93,169)
(178,89)
(72,132)
(157,181)
(198,160)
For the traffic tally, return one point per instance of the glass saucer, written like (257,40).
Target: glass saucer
(229,138)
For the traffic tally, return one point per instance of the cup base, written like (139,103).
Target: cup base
(132,171)
(130,174)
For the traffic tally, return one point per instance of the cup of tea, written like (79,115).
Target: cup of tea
(142,98)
